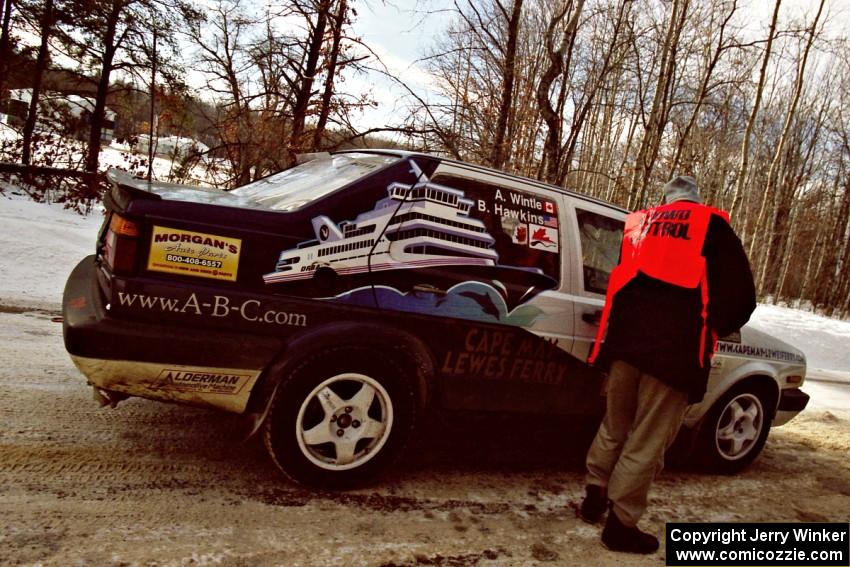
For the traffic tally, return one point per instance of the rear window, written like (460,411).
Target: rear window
(299,186)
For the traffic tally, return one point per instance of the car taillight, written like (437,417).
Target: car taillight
(120,244)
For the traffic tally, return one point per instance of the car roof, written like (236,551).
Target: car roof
(490,171)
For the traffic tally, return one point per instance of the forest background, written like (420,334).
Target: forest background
(609,98)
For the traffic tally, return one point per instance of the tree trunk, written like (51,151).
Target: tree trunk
(552,146)
(308,76)
(97,116)
(841,262)
(744,161)
(831,224)
(655,124)
(337,24)
(823,286)
(839,292)
(788,252)
(797,172)
(703,91)
(240,119)
(579,118)
(498,155)
(40,66)
(818,252)
(775,164)
(5,45)
(630,139)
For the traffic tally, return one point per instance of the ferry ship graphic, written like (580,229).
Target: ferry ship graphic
(415,229)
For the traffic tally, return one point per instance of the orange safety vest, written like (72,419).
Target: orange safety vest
(664,243)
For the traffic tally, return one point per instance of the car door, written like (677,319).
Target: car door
(501,329)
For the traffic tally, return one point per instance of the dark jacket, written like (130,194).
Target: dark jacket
(656,326)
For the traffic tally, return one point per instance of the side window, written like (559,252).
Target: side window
(601,238)
(523,225)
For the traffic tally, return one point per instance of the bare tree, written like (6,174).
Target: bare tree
(552,150)
(109,36)
(5,43)
(316,14)
(46,23)
(276,87)
(483,65)
(337,21)
(780,148)
(223,57)
(723,44)
(498,157)
(655,122)
(744,162)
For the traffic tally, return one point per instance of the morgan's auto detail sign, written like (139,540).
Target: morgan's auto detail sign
(194,254)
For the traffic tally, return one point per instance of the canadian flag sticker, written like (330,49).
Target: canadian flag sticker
(543,237)
(549,207)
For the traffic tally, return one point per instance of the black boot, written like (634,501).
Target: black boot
(594,504)
(618,537)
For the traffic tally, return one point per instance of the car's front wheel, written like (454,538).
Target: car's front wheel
(735,430)
(339,418)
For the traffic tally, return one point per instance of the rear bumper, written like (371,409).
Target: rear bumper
(791,402)
(197,366)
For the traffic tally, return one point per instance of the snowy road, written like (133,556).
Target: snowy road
(168,485)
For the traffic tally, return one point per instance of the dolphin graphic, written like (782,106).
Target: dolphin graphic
(485,301)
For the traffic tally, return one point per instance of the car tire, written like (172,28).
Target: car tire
(735,430)
(340,417)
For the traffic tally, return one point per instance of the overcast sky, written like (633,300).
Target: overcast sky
(400,33)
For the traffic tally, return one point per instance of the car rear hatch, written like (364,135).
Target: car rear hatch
(193,234)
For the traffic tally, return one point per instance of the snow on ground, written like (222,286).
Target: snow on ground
(122,156)
(825,341)
(41,243)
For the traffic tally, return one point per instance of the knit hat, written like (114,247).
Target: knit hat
(682,188)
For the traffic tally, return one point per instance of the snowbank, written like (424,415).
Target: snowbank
(825,341)
(122,156)
(41,244)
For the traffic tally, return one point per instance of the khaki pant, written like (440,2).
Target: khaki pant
(642,418)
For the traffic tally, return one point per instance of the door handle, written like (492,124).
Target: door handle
(592,318)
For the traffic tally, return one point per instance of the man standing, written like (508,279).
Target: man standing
(683,280)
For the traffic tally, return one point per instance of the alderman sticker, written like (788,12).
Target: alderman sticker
(194,254)
(202,381)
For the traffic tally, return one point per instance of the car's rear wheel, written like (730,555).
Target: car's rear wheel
(734,432)
(340,417)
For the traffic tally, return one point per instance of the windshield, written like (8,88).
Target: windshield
(292,189)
